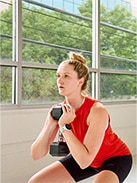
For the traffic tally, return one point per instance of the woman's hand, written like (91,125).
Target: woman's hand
(41,145)
(50,120)
(68,115)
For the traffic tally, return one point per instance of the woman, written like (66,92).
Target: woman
(85,124)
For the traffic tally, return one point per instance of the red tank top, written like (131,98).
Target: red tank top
(112,145)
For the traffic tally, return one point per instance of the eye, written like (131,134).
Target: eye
(58,75)
(66,75)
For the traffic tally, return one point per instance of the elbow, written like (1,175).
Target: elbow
(35,154)
(84,163)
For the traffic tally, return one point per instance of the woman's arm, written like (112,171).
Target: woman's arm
(41,145)
(85,153)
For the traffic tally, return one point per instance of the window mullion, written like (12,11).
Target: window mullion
(96,49)
(17,51)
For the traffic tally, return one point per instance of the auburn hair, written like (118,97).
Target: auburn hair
(80,66)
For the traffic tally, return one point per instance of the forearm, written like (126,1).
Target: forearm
(41,145)
(78,150)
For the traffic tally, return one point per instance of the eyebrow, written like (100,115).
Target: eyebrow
(63,73)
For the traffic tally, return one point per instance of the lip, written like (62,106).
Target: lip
(61,87)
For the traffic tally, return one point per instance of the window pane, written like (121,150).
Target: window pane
(44,31)
(48,55)
(43,54)
(39,86)
(67,5)
(118,87)
(117,43)
(109,62)
(119,9)
(5,85)
(6,29)
(6,47)
(114,40)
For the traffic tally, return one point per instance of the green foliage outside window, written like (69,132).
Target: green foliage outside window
(43,29)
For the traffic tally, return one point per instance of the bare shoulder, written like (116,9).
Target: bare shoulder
(97,112)
(98,107)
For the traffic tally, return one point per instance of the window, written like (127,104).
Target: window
(6,85)
(33,46)
(118,86)
(39,86)
(118,53)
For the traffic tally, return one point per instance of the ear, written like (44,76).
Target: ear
(81,81)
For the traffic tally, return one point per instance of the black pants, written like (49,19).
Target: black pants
(120,165)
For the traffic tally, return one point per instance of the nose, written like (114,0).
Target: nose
(60,80)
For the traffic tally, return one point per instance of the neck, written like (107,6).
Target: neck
(76,101)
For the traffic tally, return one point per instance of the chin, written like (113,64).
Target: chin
(61,93)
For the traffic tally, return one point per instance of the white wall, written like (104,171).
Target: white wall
(20,127)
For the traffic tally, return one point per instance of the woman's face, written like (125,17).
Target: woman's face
(67,80)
